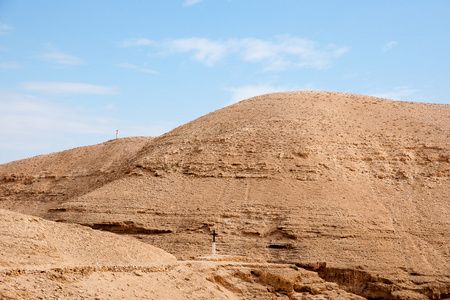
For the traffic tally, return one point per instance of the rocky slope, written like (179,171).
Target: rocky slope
(354,187)
(41,259)
(36,184)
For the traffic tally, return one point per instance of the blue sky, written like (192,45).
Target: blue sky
(74,72)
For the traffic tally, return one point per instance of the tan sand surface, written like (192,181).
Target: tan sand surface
(353,187)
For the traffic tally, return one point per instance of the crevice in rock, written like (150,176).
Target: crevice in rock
(281,246)
(127,227)
(372,286)
(65,209)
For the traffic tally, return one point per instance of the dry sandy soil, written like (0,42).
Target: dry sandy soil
(41,259)
(352,187)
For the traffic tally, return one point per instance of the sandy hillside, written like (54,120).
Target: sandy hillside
(356,186)
(31,242)
(40,259)
(63,175)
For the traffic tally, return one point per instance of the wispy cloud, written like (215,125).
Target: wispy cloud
(137,68)
(204,50)
(10,65)
(191,2)
(55,56)
(27,113)
(277,54)
(61,58)
(36,125)
(286,51)
(129,128)
(388,46)
(248,91)
(397,93)
(134,42)
(68,88)
(4,29)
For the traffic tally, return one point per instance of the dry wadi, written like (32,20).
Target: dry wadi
(314,195)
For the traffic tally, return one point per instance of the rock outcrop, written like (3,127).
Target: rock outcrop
(40,259)
(357,183)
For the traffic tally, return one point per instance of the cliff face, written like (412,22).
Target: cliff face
(356,182)
(41,259)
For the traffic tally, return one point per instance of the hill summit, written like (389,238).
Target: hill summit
(354,187)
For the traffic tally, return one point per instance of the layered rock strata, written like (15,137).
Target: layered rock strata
(356,182)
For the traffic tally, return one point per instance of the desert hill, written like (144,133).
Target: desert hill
(52,178)
(41,259)
(31,242)
(355,187)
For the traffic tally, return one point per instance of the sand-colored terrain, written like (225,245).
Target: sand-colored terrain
(355,188)
(41,259)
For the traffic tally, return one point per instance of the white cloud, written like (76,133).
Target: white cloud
(133,42)
(25,113)
(109,107)
(152,129)
(191,2)
(248,91)
(398,93)
(4,29)
(68,88)
(286,51)
(205,50)
(278,54)
(61,58)
(256,50)
(389,46)
(134,67)
(10,65)
(35,125)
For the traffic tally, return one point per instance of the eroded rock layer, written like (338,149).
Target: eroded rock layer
(41,259)
(356,182)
